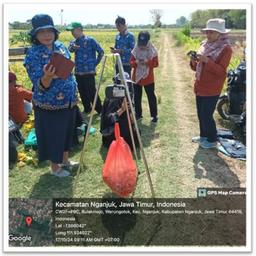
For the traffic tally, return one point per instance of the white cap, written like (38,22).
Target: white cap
(126,77)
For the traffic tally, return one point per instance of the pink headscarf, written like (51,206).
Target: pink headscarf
(211,50)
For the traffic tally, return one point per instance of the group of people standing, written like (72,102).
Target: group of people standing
(141,57)
(54,99)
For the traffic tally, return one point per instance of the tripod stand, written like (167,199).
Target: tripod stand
(127,97)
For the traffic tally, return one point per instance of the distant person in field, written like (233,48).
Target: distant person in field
(144,59)
(210,65)
(20,105)
(54,99)
(124,43)
(88,54)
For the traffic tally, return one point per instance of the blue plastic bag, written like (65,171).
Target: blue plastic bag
(31,140)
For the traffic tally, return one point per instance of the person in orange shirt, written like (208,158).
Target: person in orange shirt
(19,101)
(144,59)
(213,58)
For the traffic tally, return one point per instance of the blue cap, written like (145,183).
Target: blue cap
(143,38)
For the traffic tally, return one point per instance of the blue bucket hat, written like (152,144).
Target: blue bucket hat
(42,21)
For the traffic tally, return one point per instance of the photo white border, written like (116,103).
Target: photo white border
(247,248)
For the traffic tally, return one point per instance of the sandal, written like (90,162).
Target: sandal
(61,173)
(71,165)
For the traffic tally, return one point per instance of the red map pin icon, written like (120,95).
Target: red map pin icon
(28,220)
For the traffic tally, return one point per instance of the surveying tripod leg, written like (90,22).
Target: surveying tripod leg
(121,72)
(130,128)
(81,161)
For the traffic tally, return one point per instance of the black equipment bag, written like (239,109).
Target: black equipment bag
(14,131)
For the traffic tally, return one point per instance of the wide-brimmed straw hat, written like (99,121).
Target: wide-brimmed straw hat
(216,25)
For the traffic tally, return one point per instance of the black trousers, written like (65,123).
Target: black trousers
(150,91)
(87,90)
(205,109)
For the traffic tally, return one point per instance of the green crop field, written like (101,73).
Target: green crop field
(105,38)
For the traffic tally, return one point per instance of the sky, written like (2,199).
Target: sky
(100,13)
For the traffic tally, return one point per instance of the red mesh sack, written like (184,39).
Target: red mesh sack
(120,171)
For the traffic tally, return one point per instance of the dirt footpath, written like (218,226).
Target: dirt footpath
(198,167)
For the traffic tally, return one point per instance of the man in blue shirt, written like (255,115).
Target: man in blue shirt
(124,44)
(86,61)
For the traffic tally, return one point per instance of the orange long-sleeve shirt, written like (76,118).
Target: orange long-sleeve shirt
(153,63)
(17,95)
(213,74)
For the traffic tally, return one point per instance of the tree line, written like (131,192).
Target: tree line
(235,19)
(27,26)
